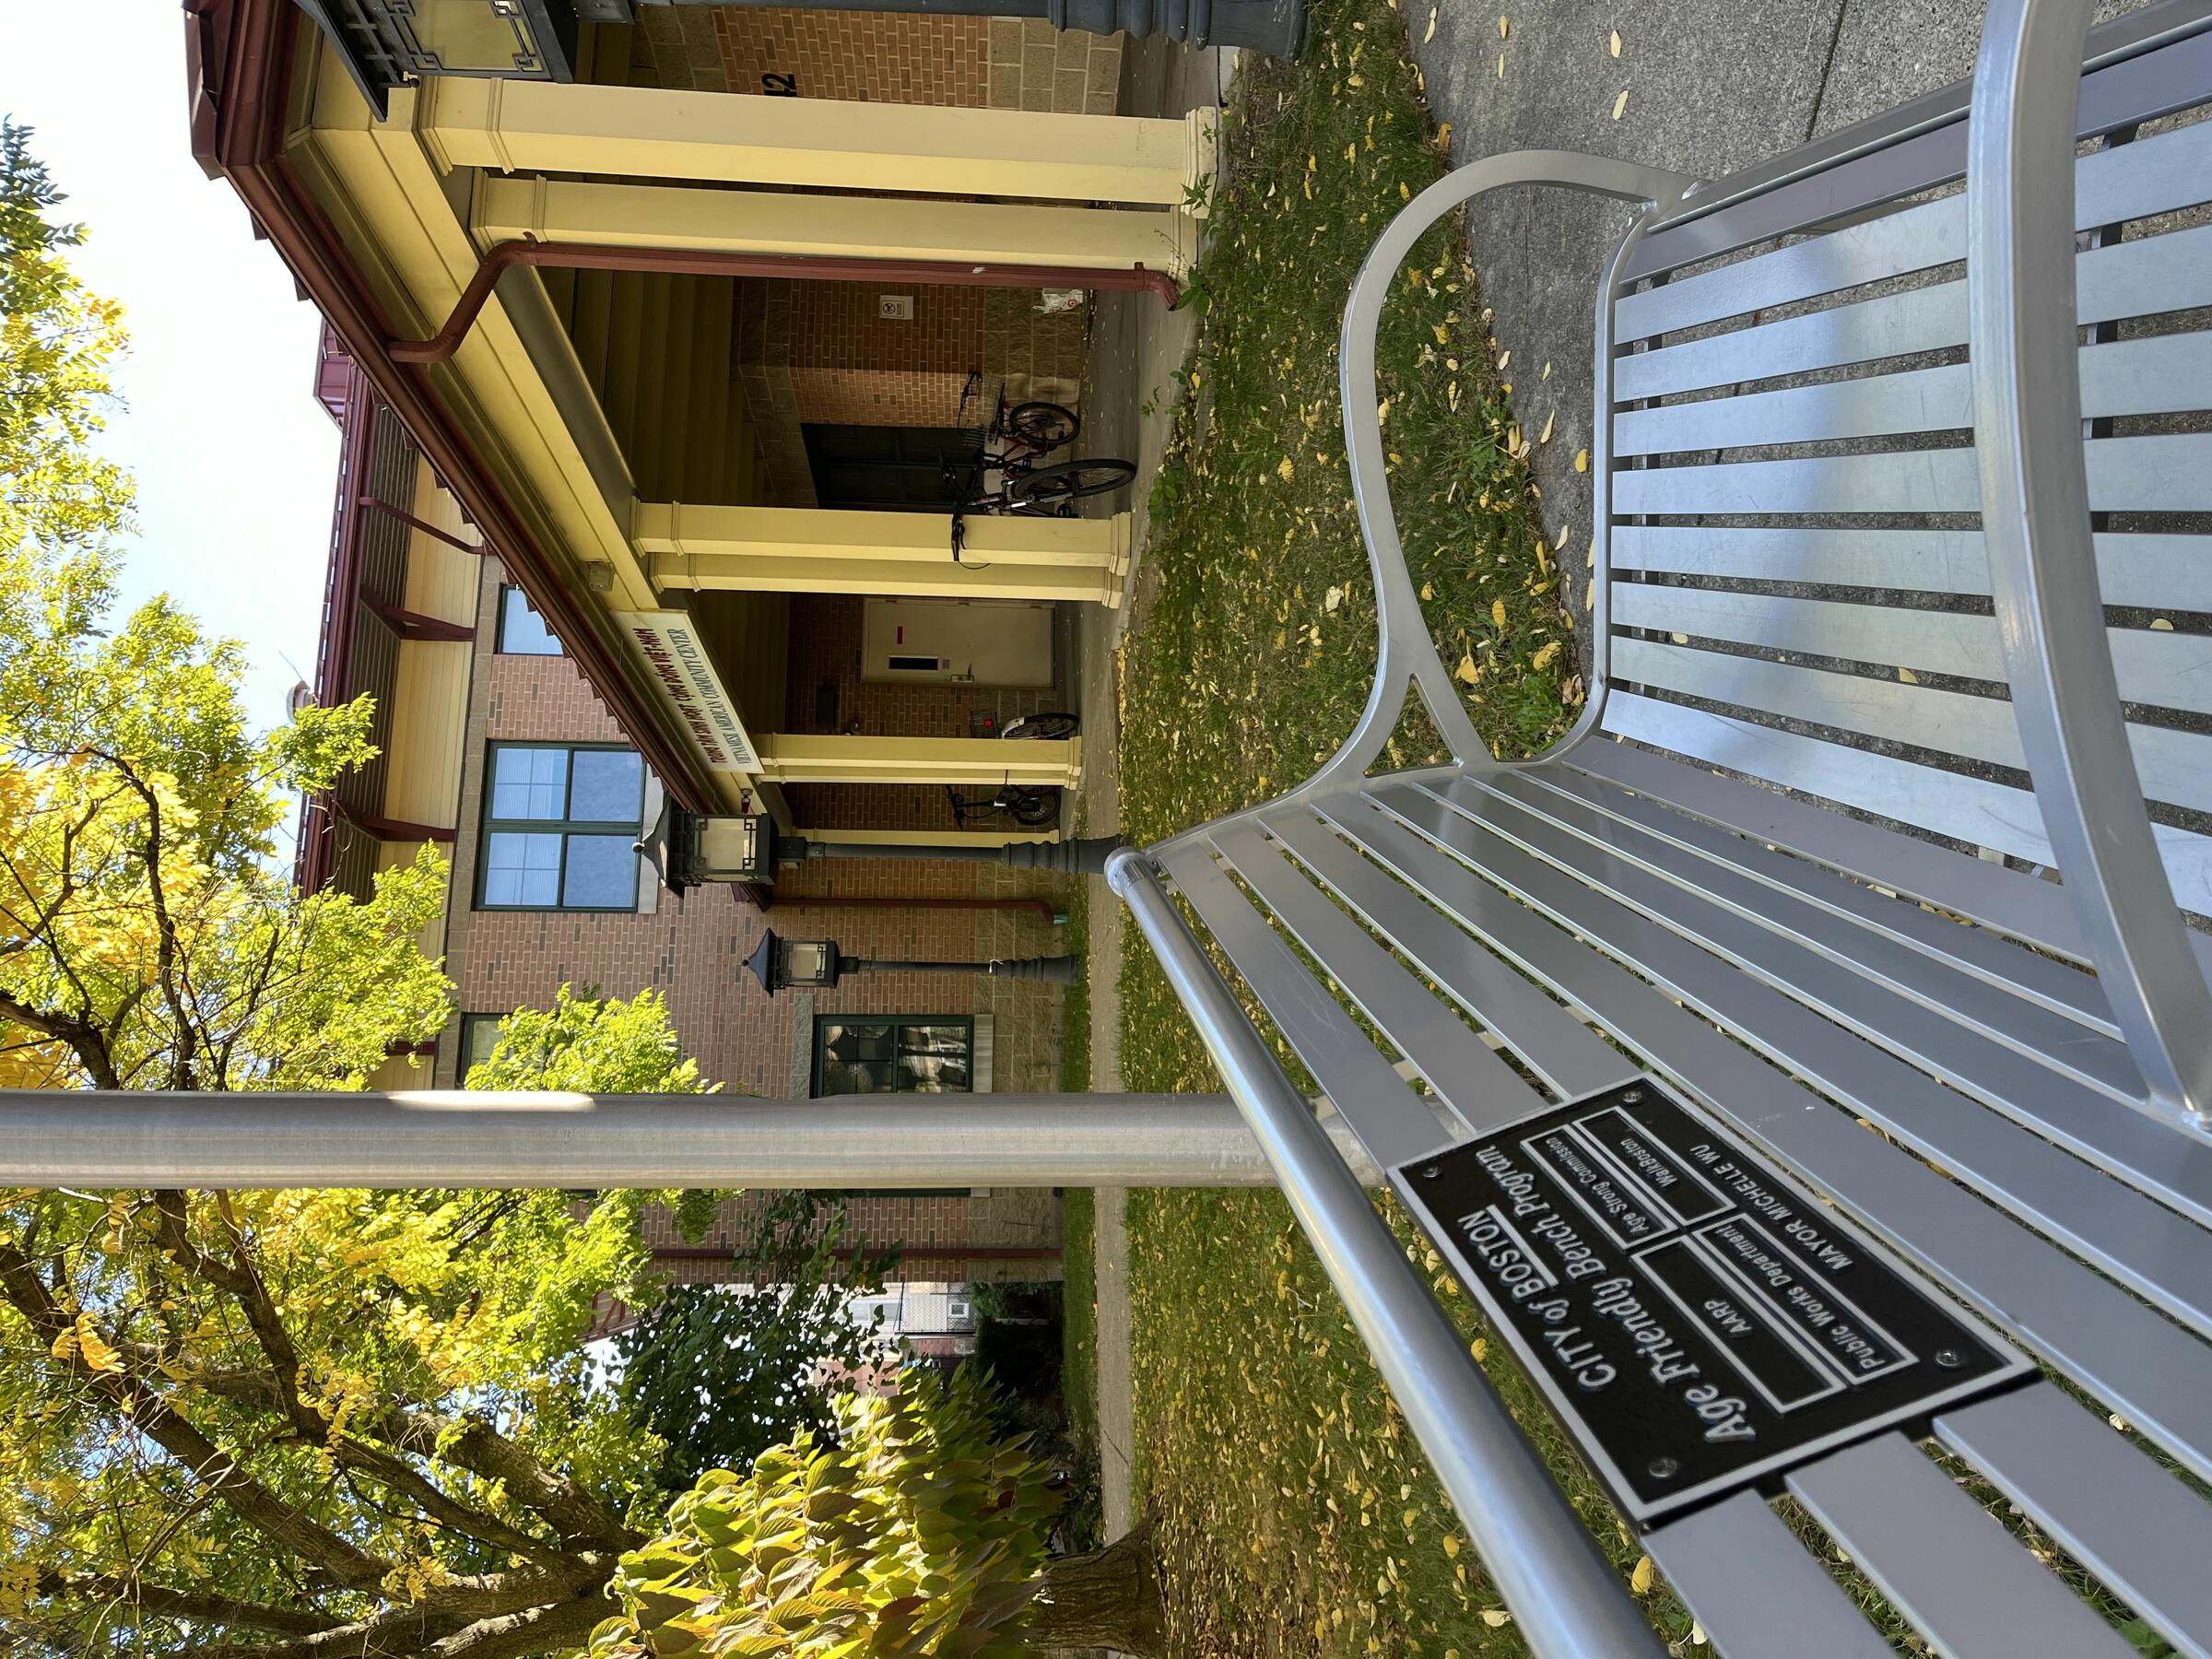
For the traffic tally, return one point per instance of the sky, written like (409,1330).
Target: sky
(236,463)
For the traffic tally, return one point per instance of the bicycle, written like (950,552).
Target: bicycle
(1030,806)
(1024,434)
(1027,804)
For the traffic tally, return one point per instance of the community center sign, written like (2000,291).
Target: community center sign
(669,643)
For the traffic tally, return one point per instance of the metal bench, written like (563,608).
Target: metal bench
(1791,1079)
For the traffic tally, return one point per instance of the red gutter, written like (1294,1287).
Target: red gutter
(347,396)
(238,130)
(695,262)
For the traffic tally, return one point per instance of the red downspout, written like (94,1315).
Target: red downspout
(694,261)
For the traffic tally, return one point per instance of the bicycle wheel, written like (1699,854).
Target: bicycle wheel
(1044,426)
(1046,728)
(1034,807)
(1049,486)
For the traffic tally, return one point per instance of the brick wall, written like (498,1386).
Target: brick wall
(825,652)
(852,366)
(871,57)
(695,955)
(878,57)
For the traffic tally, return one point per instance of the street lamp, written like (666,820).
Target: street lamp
(689,849)
(782,964)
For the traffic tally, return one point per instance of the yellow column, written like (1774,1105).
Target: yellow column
(649,132)
(825,550)
(667,216)
(788,758)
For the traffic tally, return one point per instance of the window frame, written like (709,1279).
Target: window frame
(823,1021)
(470,1025)
(490,824)
(510,591)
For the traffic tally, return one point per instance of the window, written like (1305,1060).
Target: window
(560,828)
(522,631)
(870,1055)
(479,1036)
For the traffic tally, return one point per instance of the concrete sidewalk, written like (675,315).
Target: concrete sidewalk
(1137,348)
(1710,89)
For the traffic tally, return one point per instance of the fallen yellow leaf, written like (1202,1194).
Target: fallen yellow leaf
(1502,26)
(1498,613)
(1502,65)
(1582,460)
(1910,677)
(1466,671)
(1285,471)
(1496,1617)
(1428,591)
(1640,1581)
(1615,43)
(1450,1545)
(1620,104)
(1544,435)
(1546,654)
(1504,358)
(1431,34)
(2161,624)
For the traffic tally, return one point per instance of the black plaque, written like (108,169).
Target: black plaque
(1700,1322)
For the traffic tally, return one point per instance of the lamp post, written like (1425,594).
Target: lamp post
(817,964)
(689,849)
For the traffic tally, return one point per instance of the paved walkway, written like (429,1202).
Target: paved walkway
(1137,347)
(1710,89)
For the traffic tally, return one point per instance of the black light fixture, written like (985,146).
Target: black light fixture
(690,848)
(781,964)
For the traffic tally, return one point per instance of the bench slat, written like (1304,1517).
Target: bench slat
(1969,809)
(2011,901)
(1754,1588)
(2149,475)
(2114,1346)
(2157,274)
(1571,1058)
(1715,902)
(1981,952)
(1393,1123)
(2153,572)
(1943,1562)
(2163,1255)
(2174,766)
(1480,1089)
(2107,1506)
(2132,181)
(2154,667)
(2164,375)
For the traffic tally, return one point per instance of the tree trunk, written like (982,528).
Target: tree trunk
(1110,1599)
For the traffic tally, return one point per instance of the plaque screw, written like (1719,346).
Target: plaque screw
(1632,1096)
(1949,1358)
(1431,1172)
(1661,1467)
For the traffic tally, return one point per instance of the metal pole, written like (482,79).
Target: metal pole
(1083,856)
(92,1138)
(1044,970)
(1541,1557)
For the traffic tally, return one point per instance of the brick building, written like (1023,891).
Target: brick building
(491,737)
(650,342)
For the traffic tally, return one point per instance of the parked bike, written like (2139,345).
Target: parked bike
(1029,804)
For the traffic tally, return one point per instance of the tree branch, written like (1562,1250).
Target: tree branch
(166,1602)
(395,1633)
(482,1450)
(150,1412)
(86,1041)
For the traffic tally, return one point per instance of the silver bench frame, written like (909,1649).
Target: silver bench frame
(1930,1551)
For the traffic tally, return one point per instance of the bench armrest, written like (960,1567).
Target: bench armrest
(1406,654)
(2035,524)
